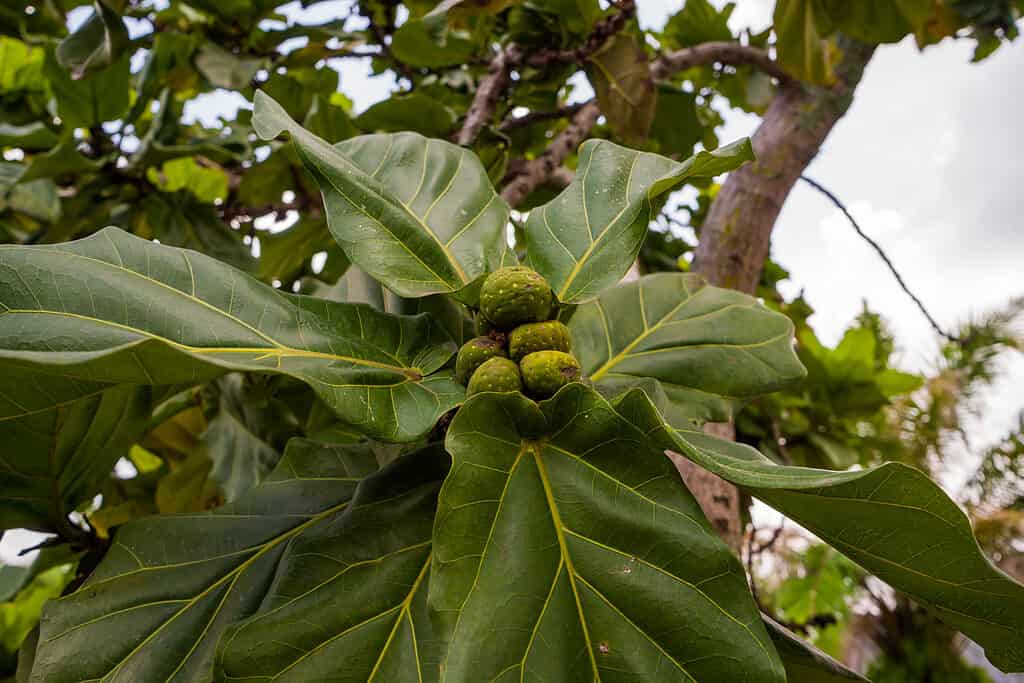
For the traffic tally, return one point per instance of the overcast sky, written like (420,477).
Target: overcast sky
(930,159)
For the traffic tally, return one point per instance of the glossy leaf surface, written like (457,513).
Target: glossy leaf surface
(891,519)
(113,309)
(418,214)
(587,237)
(562,537)
(708,348)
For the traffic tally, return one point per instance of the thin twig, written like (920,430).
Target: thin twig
(487,95)
(878,249)
(535,116)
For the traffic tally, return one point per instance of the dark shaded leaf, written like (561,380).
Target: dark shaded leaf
(170,585)
(348,601)
(55,458)
(96,44)
(622,81)
(805,663)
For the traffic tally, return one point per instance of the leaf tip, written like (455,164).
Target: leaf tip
(269,119)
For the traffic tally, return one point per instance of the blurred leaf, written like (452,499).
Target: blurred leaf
(226,70)
(20,65)
(239,439)
(62,160)
(284,255)
(803,27)
(415,44)
(188,486)
(57,457)
(178,220)
(94,45)
(101,96)
(414,112)
(624,87)
(804,663)
(21,614)
(205,182)
(699,22)
(895,383)
(35,135)
(675,128)
(329,121)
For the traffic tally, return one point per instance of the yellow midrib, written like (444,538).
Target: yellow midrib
(280,350)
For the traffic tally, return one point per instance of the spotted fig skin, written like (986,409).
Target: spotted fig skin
(496,374)
(515,295)
(549,335)
(475,353)
(545,372)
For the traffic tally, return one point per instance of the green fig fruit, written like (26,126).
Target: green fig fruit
(495,374)
(515,295)
(549,335)
(473,354)
(545,372)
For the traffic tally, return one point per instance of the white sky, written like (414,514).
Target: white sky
(930,159)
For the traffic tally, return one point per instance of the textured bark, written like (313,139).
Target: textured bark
(735,237)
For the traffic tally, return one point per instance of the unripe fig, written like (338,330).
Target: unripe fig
(545,372)
(515,295)
(473,354)
(495,374)
(549,335)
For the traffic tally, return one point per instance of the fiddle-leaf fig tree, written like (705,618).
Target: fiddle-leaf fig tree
(532,528)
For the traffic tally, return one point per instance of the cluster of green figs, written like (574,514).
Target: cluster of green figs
(523,348)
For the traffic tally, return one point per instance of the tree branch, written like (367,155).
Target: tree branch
(537,171)
(878,249)
(734,54)
(488,93)
(494,85)
(535,116)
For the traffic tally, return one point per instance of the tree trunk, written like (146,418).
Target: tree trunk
(735,236)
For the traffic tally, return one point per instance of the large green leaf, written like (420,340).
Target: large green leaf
(349,600)
(420,215)
(96,44)
(891,519)
(708,348)
(169,586)
(587,237)
(804,662)
(114,308)
(567,549)
(55,459)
